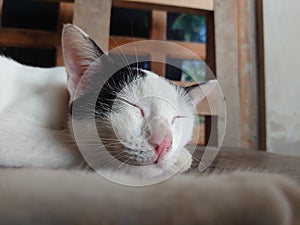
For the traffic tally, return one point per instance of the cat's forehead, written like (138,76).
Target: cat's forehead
(152,85)
(140,87)
(151,89)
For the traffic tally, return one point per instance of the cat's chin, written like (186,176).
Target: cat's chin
(165,167)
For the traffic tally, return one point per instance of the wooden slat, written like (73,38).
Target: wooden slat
(225,17)
(158,31)
(93,16)
(211,126)
(70,1)
(193,4)
(202,7)
(12,37)
(247,57)
(262,143)
(197,48)
(210,47)
(116,41)
(1,4)
(45,39)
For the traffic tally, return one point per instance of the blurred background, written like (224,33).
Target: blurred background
(250,45)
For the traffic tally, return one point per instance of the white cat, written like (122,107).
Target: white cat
(142,118)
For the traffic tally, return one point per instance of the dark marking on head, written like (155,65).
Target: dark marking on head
(107,95)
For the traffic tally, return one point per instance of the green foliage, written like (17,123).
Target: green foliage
(193,71)
(194,27)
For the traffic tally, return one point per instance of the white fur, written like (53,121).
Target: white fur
(160,101)
(33,116)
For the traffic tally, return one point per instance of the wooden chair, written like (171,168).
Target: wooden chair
(230,52)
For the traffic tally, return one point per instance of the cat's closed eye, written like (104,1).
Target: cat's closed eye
(132,104)
(177,117)
(140,109)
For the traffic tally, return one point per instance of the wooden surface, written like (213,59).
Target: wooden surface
(226,43)
(231,159)
(237,71)
(198,50)
(193,4)
(93,16)
(196,5)
(247,72)
(158,31)
(202,7)
(11,37)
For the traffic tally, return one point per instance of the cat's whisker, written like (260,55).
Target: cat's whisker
(136,55)
(197,160)
(123,58)
(122,164)
(122,54)
(113,159)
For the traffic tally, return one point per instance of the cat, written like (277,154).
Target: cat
(142,119)
(42,110)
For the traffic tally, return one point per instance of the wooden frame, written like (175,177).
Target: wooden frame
(231,25)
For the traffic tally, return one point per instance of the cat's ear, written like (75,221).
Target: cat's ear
(198,92)
(79,52)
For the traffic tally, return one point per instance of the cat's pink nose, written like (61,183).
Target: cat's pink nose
(162,146)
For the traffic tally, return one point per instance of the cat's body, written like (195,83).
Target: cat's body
(38,108)
(34,117)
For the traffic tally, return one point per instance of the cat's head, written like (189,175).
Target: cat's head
(141,118)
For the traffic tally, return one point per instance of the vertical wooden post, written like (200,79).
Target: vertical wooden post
(1,4)
(247,56)
(236,66)
(158,32)
(211,122)
(93,16)
(226,40)
(210,45)
(262,143)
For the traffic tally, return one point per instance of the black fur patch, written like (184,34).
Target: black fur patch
(107,94)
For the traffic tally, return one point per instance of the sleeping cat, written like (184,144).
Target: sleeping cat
(143,120)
